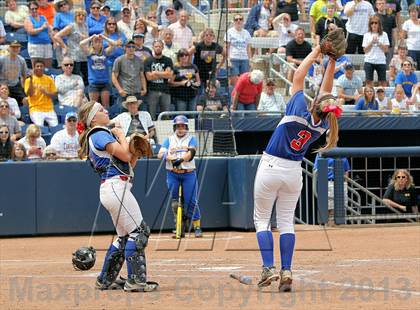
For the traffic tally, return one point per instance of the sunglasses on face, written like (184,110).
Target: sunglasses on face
(81,14)
(401,177)
(374,23)
(111,24)
(72,120)
(68,65)
(4,132)
(4,106)
(95,8)
(62,4)
(237,19)
(183,55)
(50,154)
(169,13)
(130,46)
(33,9)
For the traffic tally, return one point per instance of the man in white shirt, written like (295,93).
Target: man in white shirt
(349,86)
(66,141)
(358,13)
(126,24)
(182,33)
(69,86)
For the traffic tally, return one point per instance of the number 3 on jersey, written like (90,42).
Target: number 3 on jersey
(297,144)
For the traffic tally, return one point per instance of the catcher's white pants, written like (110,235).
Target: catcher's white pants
(281,179)
(126,216)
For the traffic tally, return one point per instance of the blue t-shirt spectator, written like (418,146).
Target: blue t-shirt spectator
(330,160)
(96,26)
(342,61)
(361,105)
(98,72)
(62,19)
(116,51)
(406,81)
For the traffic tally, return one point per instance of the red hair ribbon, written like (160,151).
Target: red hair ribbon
(80,127)
(333,108)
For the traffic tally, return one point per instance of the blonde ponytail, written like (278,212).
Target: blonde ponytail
(333,133)
(83,115)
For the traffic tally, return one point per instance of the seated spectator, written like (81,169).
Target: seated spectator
(383,101)
(296,51)
(415,97)
(135,121)
(349,86)
(49,153)
(64,16)
(66,141)
(170,49)
(70,86)
(6,144)
(367,102)
(340,65)
(186,82)
(358,13)
(149,29)
(327,23)
(40,89)
(33,142)
(375,45)
(211,100)
(158,70)
(75,33)
(406,78)
(401,193)
(399,102)
(205,56)
(410,31)
(18,153)
(15,15)
(47,10)
(238,49)
(13,105)
(10,121)
(247,91)
(39,32)
(128,74)
(98,73)
(182,32)
(286,30)
(291,7)
(396,63)
(13,71)
(270,100)
(126,24)
(257,22)
(141,51)
(95,20)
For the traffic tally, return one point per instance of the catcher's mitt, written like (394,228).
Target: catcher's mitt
(139,146)
(334,43)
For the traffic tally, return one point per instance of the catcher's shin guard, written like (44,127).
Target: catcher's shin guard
(113,263)
(135,255)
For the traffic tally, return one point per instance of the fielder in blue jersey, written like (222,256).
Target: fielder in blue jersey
(279,175)
(178,151)
(109,155)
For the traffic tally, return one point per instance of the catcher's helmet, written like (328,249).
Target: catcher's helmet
(84,258)
(180,120)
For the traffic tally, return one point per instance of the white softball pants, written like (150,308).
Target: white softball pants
(277,179)
(126,216)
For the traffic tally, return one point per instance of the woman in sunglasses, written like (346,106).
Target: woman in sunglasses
(111,31)
(5,144)
(401,193)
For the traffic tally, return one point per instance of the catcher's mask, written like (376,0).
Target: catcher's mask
(84,258)
(323,104)
(180,120)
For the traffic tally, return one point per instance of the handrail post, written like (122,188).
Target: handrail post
(322,190)
(339,210)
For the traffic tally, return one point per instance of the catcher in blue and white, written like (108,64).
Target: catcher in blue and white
(178,151)
(279,175)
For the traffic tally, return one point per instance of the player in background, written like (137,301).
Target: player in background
(279,174)
(178,151)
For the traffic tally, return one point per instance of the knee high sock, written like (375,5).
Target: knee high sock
(112,248)
(287,246)
(130,249)
(265,243)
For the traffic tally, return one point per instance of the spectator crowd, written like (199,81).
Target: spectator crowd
(139,58)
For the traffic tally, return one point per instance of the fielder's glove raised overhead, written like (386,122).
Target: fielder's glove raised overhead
(334,43)
(139,146)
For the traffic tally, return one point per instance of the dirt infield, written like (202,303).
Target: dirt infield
(341,268)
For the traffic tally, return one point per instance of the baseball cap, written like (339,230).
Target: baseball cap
(71,115)
(106,6)
(125,8)
(15,43)
(170,8)
(129,42)
(138,35)
(349,66)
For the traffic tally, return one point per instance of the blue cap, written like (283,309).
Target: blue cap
(71,114)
